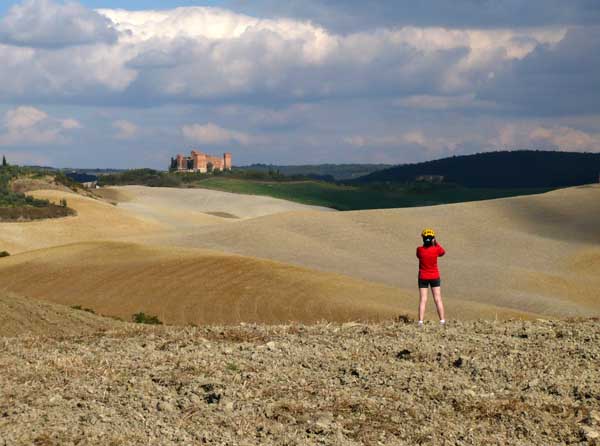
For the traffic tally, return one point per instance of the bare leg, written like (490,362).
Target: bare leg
(437,298)
(422,302)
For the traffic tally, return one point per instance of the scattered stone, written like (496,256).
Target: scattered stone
(212,398)
(470,392)
(590,435)
(194,399)
(209,387)
(403,354)
(106,389)
(350,324)
(164,406)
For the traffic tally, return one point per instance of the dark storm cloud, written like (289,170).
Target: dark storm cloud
(47,24)
(552,80)
(352,15)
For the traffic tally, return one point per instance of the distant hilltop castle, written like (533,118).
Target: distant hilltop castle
(201,162)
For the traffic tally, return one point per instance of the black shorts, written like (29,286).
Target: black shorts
(426,283)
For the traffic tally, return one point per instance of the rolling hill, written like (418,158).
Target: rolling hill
(517,253)
(180,255)
(507,169)
(26,316)
(192,287)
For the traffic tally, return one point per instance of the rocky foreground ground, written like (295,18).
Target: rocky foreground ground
(472,383)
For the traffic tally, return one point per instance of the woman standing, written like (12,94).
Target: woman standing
(429,274)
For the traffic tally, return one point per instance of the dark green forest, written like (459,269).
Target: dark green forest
(327,172)
(156,178)
(19,206)
(524,168)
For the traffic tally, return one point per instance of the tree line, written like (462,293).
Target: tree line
(502,169)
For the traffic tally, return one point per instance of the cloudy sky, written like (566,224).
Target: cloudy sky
(114,83)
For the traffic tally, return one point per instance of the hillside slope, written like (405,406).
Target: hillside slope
(26,316)
(181,207)
(202,287)
(522,253)
(523,256)
(519,168)
(95,220)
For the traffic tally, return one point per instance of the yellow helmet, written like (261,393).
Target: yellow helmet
(428,233)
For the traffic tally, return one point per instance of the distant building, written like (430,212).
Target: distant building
(430,178)
(201,162)
(86,180)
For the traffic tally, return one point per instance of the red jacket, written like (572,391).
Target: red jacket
(428,269)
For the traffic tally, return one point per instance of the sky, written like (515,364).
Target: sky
(126,84)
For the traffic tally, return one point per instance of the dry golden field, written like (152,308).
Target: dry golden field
(23,316)
(199,256)
(194,286)
(263,346)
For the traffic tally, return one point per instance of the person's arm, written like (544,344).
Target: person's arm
(417,253)
(441,251)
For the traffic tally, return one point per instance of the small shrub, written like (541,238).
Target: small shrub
(61,178)
(4,253)
(80,308)
(143,318)
(403,318)
(232,367)
(63,202)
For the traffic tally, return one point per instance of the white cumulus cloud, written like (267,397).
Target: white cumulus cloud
(548,137)
(48,24)
(293,89)
(428,142)
(213,134)
(566,138)
(125,129)
(192,54)
(29,125)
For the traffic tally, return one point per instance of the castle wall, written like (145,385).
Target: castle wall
(181,162)
(199,162)
(216,161)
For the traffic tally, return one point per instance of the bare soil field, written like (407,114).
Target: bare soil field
(473,383)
